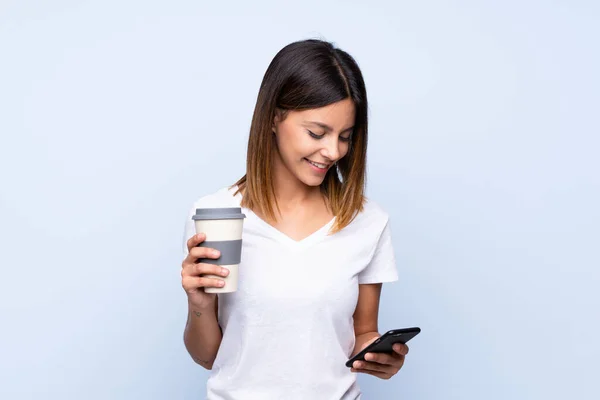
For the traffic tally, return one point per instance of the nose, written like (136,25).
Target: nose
(331,149)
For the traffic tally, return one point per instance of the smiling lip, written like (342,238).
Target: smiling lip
(321,170)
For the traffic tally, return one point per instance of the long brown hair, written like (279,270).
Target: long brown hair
(304,75)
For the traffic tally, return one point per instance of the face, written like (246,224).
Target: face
(309,142)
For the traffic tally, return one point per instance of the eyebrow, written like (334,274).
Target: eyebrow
(327,127)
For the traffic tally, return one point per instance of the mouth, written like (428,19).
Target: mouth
(319,167)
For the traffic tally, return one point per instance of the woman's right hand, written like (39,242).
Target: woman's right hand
(191,274)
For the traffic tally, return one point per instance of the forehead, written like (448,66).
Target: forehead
(338,115)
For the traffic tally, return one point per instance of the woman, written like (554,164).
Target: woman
(315,252)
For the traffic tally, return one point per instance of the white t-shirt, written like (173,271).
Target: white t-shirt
(288,330)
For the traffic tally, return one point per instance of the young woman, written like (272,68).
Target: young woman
(315,250)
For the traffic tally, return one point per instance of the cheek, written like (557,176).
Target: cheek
(297,146)
(344,148)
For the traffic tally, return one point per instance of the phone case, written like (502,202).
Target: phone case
(385,343)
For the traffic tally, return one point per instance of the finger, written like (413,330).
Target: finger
(203,269)
(195,240)
(202,252)
(382,358)
(380,375)
(393,358)
(375,367)
(401,349)
(192,283)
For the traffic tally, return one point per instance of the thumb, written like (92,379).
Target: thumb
(368,342)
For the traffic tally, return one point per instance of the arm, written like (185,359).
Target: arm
(202,335)
(383,366)
(366,315)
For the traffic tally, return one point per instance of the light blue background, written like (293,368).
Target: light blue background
(116,115)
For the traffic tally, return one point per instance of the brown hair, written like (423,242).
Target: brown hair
(304,75)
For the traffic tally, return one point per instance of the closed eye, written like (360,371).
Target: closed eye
(314,135)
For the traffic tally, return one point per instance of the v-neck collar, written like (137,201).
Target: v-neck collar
(287,240)
(282,237)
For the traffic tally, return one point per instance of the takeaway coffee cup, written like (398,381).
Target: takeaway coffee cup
(223,230)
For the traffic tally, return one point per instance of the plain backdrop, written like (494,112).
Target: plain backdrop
(115,116)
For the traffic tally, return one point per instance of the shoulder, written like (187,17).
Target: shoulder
(220,198)
(374,209)
(374,213)
(370,221)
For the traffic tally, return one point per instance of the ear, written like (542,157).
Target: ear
(276,120)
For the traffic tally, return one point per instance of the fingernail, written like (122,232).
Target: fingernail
(215,252)
(225,271)
(221,283)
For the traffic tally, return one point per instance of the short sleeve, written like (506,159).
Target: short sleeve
(382,267)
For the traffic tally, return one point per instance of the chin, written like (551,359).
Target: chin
(311,181)
(315,184)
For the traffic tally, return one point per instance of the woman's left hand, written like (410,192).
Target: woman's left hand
(382,365)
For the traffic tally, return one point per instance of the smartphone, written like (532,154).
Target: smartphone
(385,343)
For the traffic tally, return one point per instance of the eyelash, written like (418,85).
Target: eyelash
(343,139)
